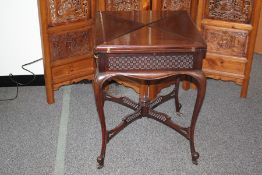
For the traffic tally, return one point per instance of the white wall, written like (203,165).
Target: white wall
(20,40)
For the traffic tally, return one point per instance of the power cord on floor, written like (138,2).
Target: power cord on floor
(11,77)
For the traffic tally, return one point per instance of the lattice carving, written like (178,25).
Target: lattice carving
(176,5)
(157,101)
(122,5)
(159,116)
(166,62)
(227,42)
(69,44)
(230,10)
(130,102)
(62,11)
(132,117)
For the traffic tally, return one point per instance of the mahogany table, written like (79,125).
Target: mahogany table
(150,47)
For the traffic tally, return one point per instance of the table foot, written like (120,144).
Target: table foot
(100,162)
(195,157)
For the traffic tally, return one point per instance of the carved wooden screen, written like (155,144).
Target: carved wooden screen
(230,10)
(66,27)
(189,5)
(226,41)
(229,27)
(64,11)
(71,43)
(176,5)
(123,5)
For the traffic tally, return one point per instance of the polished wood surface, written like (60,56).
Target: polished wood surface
(230,31)
(162,35)
(150,48)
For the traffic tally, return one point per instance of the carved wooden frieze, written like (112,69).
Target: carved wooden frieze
(176,5)
(69,44)
(122,5)
(226,41)
(62,11)
(230,10)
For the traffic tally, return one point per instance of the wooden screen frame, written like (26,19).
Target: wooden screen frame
(58,70)
(250,27)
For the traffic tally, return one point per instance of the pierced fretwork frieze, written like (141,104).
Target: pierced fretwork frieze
(122,5)
(69,44)
(176,5)
(62,11)
(230,10)
(227,42)
(151,62)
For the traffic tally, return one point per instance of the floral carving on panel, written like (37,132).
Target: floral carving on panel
(122,5)
(62,11)
(176,5)
(69,44)
(230,10)
(226,42)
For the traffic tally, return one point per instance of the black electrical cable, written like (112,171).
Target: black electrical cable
(11,77)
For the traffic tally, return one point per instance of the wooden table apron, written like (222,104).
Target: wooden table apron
(164,46)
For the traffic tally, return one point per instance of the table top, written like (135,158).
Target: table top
(146,32)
